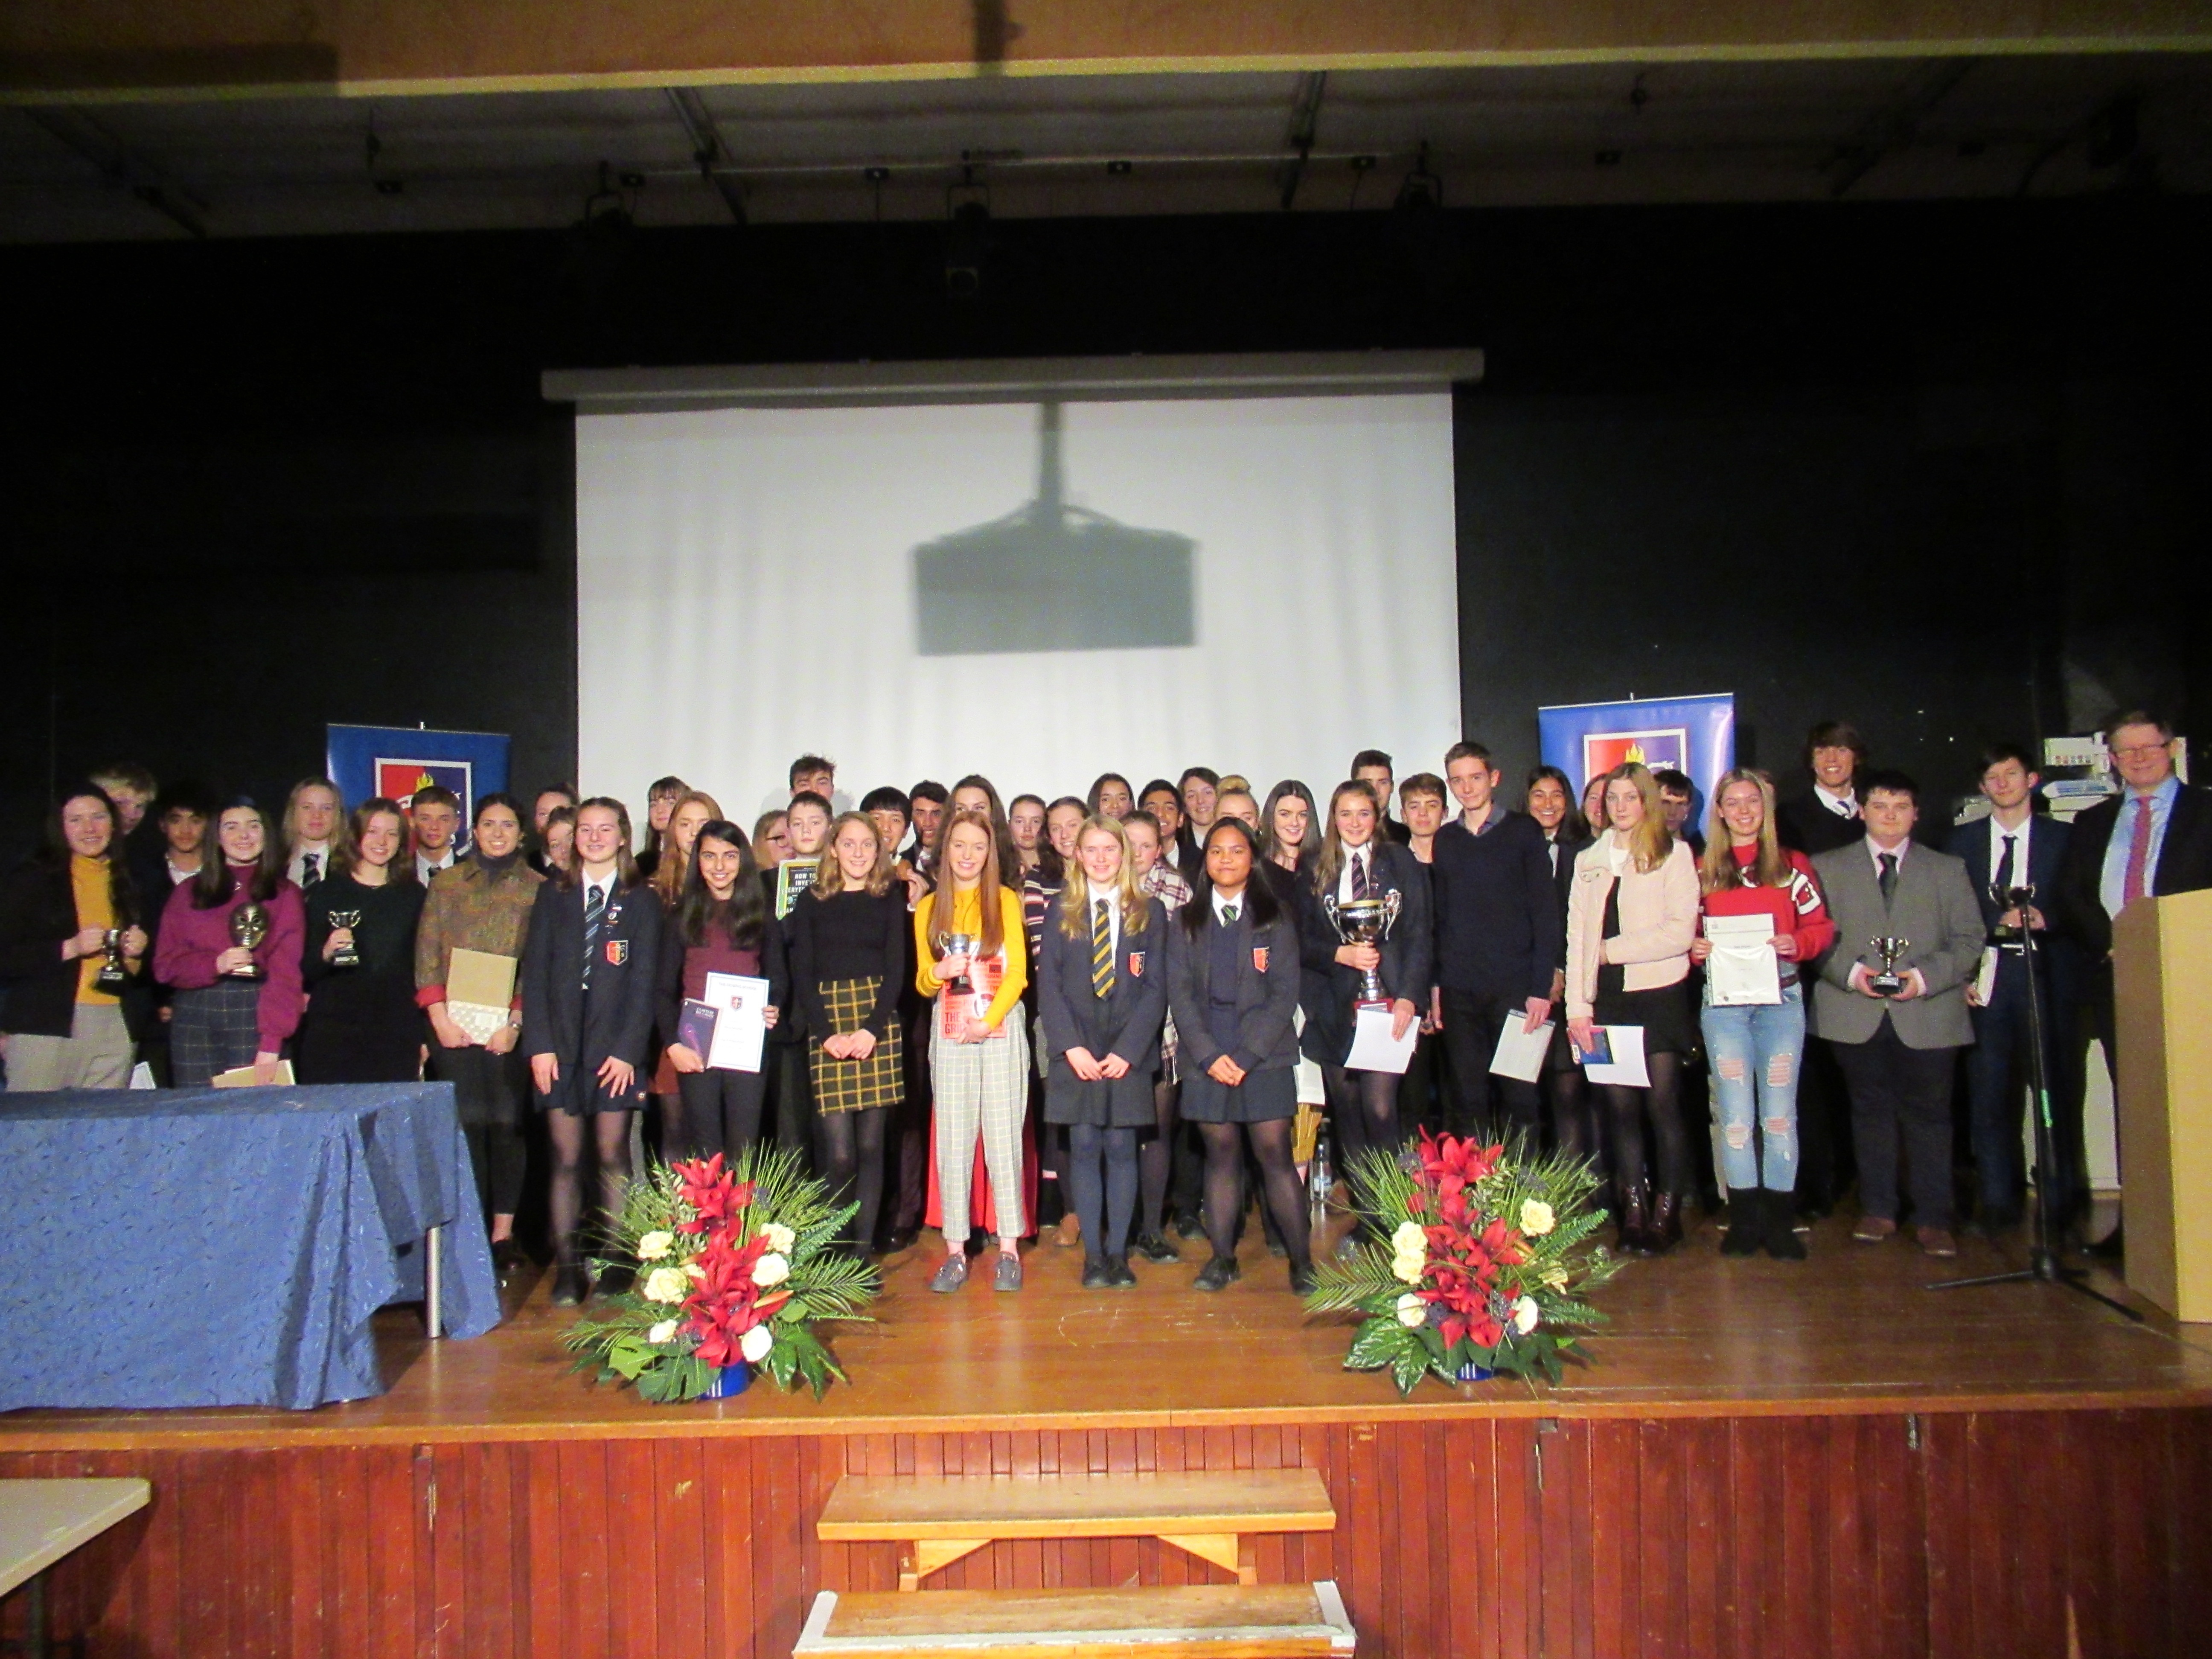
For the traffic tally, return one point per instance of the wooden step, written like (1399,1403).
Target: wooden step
(939,1519)
(1160,1621)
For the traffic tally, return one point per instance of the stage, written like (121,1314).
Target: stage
(1813,1458)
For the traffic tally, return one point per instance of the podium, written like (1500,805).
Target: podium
(2162,984)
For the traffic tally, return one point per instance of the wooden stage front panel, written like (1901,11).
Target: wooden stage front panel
(1767,1459)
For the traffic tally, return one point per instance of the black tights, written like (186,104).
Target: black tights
(1574,1116)
(1364,1106)
(1628,1109)
(1156,1157)
(710,1112)
(1279,1179)
(849,1148)
(1101,1172)
(610,1130)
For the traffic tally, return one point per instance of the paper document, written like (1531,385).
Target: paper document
(1522,1053)
(242,1077)
(739,1001)
(479,993)
(1743,970)
(142,1076)
(1622,1061)
(1372,1050)
(1985,976)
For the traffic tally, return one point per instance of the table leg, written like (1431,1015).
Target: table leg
(434,1310)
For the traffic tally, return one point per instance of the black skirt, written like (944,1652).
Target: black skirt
(1669,1022)
(1262,1097)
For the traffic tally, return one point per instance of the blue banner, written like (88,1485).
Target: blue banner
(1695,735)
(397,760)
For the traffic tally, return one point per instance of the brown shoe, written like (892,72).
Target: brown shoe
(1937,1241)
(1069,1233)
(1873,1229)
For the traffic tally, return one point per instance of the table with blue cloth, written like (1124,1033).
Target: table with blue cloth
(227,1247)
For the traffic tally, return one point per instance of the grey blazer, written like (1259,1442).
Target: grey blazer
(1933,907)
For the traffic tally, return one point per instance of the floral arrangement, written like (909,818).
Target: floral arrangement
(1487,1258)
(732,1267)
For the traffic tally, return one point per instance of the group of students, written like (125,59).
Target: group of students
(1140,985)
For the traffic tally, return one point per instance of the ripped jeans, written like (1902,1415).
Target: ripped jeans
(1757,1055)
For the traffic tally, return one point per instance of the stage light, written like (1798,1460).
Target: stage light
(1121,169)
(1422,190)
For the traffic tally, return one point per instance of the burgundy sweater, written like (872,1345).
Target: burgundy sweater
(190,940)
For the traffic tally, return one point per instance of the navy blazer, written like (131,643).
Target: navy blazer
(617,1022)
(1267,982)
(1408,967)
(2046,855)
(1126,1021)
(2185,864)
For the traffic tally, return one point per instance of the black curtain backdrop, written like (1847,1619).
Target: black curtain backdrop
(1936,468)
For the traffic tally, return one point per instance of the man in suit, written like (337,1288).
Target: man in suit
(2011,849)
(1898,1048)
(2153,839)
(1827,815)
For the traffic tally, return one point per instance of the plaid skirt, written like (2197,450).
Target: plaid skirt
(214,1030)
(856,1085)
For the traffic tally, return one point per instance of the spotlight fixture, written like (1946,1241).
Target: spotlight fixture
(1121,169)
(1421,191)
(877,175)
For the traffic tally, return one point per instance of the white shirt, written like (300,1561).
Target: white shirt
(320,851)
(1845,805)
(2018,835)
(1222,902)
(424,869)
(179,878)
(1359,855)
(1113,897)
(606,891)
(1878,854)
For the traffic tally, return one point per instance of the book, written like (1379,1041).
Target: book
(694,1030)
(792,877)
(242,1077)
(479,992)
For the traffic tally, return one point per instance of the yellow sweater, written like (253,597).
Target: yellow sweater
(94,908)
(967,918)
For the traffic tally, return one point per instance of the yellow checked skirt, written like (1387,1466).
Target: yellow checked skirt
(855,1085)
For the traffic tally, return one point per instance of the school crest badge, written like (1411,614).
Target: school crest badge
(1136,964)
(618,952)
(1259,958)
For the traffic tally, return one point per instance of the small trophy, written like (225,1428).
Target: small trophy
(112,977)
(958,944)
(249,926)
(349,954)
(1888,982)
(1364,922)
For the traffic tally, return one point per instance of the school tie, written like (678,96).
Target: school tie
(2001,889)
(2136,882)
(1228,915)
(1102,950)
(1361,888)
(311,871)
(595,910)
(1888,862)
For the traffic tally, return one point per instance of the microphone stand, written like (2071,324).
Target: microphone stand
(2044,1263)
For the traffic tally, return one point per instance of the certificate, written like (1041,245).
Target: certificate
(1522,1053)
(739,1001)
(1618,1059)
(1374,1049)
(1743,970)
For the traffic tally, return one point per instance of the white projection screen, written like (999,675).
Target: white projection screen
(1037,591)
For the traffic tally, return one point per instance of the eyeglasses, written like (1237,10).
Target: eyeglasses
(2140,751)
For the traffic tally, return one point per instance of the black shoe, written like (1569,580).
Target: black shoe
(1746,1226)
(1097,1274)
(614,1281)
(1157,1250)
(1782,1241)
(1118,1276)
(901,1238)
(1217,1274)
(1190,1226)
(569,1287)
(507,1255)
(1303,1282)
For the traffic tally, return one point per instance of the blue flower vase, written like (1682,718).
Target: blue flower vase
(1473,1373)
(732,1380)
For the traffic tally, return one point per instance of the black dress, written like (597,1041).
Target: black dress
(1670,1024)
(363,1024)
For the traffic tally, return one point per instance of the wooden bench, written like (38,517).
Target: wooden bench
(938,1520)
(42,1521)
(1160,1621)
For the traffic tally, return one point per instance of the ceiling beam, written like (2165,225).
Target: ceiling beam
(708,149)
(75,50)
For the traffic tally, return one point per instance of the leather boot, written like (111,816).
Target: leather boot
(1665,1232)
(1635,1238)
(1748,1222)
(1782,1241)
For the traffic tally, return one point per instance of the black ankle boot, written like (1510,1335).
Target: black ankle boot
(1665,1232)
(1746,1226)
(1782,1241)
(1633,1239)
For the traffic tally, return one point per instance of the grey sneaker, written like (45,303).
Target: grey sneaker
(1007,1276)
(951,1276)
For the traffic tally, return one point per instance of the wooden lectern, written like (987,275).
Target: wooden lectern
(2162,980)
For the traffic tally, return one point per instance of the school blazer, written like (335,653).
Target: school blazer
(1266,996)
(1933,907)
(617,1022)
(1408,967)
(1127,1020)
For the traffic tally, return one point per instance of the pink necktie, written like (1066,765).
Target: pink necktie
(2132,884)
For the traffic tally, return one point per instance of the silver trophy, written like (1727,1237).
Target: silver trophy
(349,954)
(957,944)
(112,977)
(1888,982)
(1364,922)
(249,926)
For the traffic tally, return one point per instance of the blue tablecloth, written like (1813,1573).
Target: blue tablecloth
(226,1247)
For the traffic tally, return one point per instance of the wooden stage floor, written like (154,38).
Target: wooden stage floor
(1694,1334)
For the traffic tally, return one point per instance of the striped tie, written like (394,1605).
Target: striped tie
(1102,950)
(595,906)
(1362,888)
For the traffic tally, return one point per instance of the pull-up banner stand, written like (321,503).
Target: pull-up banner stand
(1695,735)
(395,761)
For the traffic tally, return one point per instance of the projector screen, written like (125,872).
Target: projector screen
(1038,592)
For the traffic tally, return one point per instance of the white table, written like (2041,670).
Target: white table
(42,1521)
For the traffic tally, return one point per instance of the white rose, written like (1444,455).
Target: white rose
(771,1269)
(1556,1278)
(1524,1315)
(653,1246)
(1536,1218)
(780,1238)
(667,1284)
(663,1332)
(1406,1269)
(1413,1312)
(755,1343)
(1411,1239)
(694,1270)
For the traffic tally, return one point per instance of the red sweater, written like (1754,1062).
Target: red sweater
(1796,907)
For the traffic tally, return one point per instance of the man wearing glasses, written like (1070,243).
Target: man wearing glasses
(2154,838)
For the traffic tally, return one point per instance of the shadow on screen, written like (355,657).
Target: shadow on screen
(1052,577)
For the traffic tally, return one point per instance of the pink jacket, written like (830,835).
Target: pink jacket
(1658,919)
(191,939)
